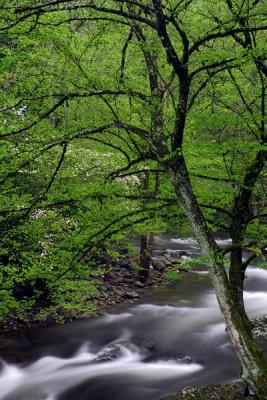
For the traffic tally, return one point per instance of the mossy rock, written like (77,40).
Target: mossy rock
(213,392)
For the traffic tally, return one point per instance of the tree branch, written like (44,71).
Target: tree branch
(246,263)
(218,35)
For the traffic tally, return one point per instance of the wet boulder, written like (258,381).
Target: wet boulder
(118,350)
(114,351)
(160,264)
(173,259)
(176,253)
(185,359)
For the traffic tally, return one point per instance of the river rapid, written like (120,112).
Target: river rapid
(178,321)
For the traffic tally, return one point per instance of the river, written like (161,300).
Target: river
(178,321)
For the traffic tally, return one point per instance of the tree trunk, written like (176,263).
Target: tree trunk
(237,276)
(147,241)
(144,259)
(254,365)
(241,212)
(144,253)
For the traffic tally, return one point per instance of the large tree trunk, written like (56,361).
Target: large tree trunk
(237,275)
(146,247)
(241,212)
(254,365)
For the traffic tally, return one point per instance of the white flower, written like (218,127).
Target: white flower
(20,112)
(129,180)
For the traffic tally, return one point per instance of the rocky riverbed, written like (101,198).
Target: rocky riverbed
(123,283)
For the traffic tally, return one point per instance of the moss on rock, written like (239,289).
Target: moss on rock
(213,392)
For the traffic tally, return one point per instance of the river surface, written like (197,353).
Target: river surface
(181,320)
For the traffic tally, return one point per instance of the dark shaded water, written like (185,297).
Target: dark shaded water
(182,320)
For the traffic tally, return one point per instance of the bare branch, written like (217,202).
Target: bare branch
(63,99)
(215,208)
(216,64)
(42,9)
(229,32)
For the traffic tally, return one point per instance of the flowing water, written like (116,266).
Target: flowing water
(178,321)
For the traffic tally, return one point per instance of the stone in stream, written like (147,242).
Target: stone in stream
(174,260)
(176,253)
(186,359)
(109,353)
(159,265)
(132,295)
(117,350)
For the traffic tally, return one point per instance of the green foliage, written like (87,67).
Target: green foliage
(78,131)
(73,296)
(200,260)
(183,266)
(172,276)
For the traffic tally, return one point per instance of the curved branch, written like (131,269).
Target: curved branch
(39,119)
(136,161)
(50,183)
(216,64)
(203,40)
(42,9)
(204,84)
(113,146)
(215,208)
(246,263)
(65,97)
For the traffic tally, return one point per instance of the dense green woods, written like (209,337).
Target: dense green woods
(98,96)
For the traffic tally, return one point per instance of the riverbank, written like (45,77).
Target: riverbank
(118,283)
(212,392)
